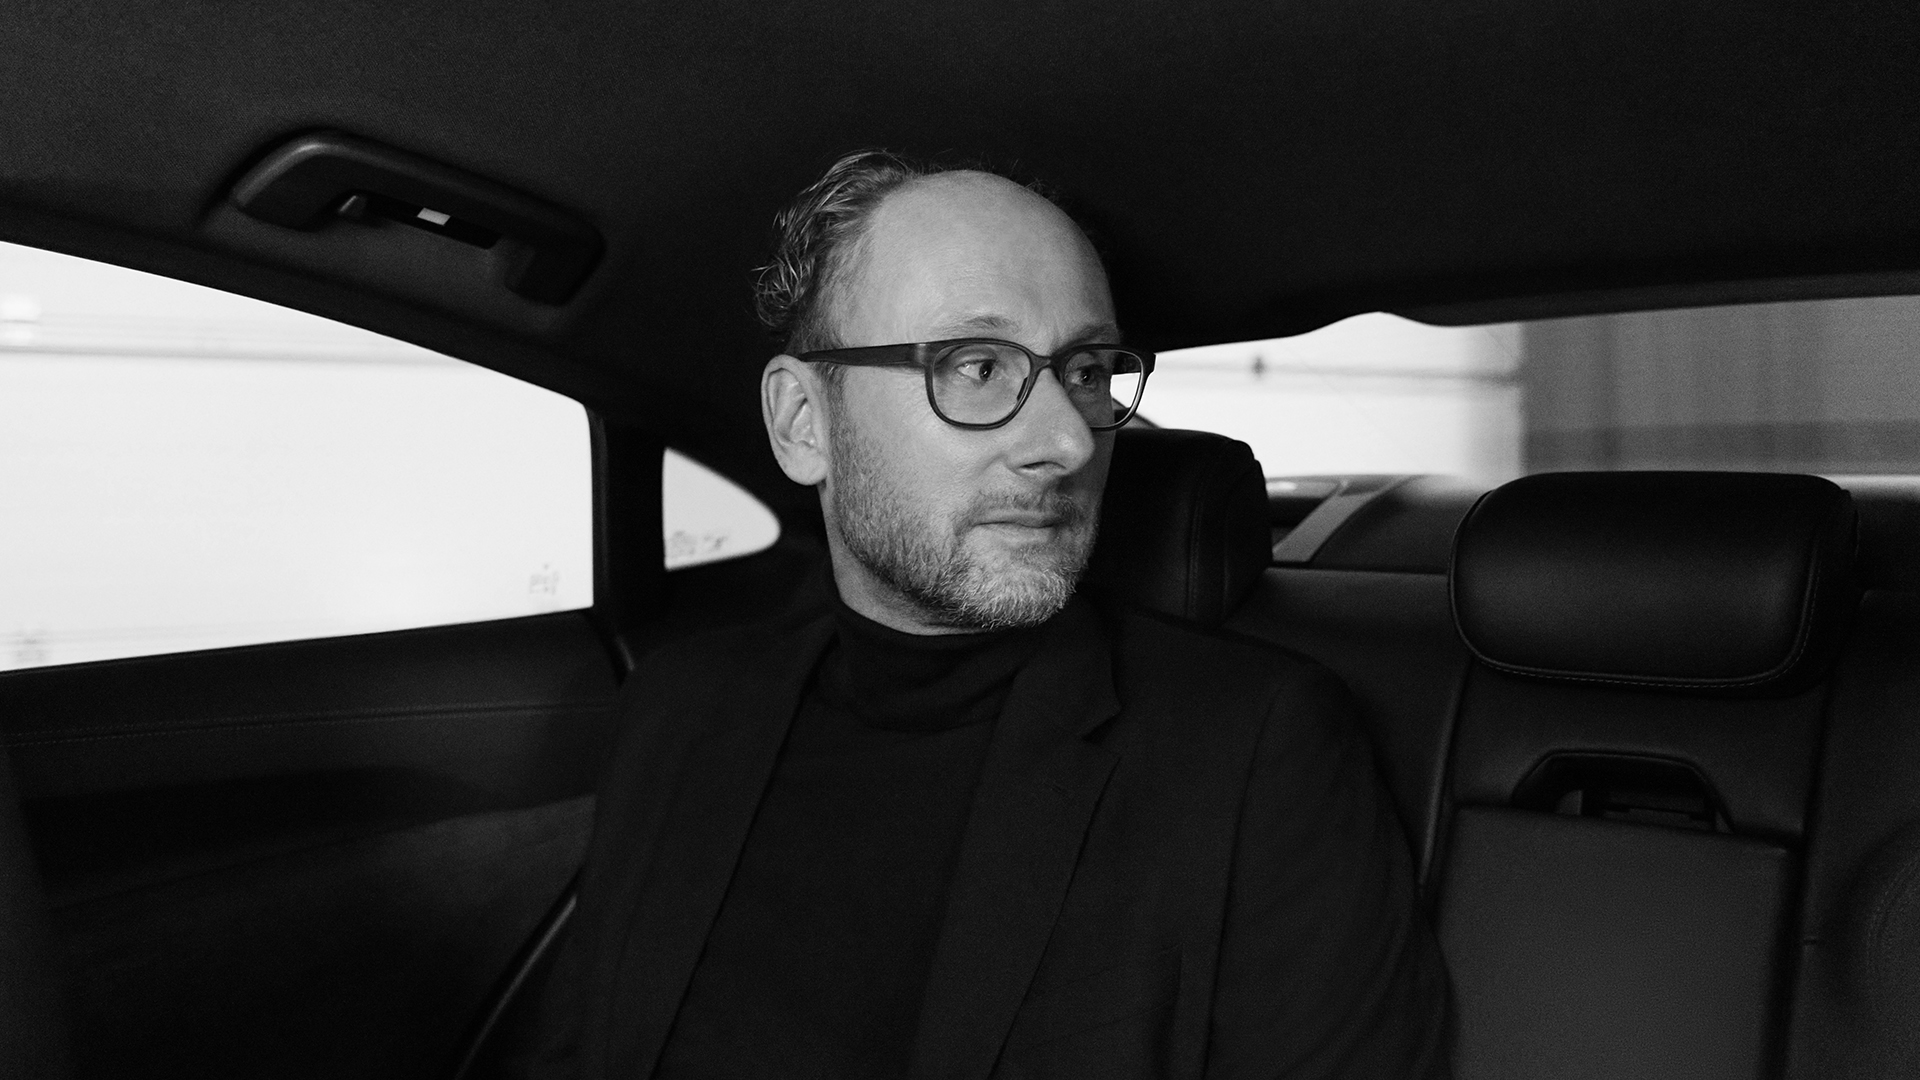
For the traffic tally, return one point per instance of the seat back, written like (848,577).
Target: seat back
(1183,524)
(1856,1011)
(1631,768)
(1369,601)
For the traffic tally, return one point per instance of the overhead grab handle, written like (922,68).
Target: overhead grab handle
(323,175)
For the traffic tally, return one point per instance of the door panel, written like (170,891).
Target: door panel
(364,958)
(310,858)
(496,706)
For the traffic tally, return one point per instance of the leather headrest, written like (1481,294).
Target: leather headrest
(1183,526)
(1738,582)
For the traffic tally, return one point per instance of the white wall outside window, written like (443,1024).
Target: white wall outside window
(707,517)
(1370,394)
(186,469)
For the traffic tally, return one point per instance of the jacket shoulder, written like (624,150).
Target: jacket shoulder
(750,646)
(1178,652)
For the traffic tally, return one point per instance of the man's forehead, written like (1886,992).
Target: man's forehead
(994,324)
(975,255)
(961,208)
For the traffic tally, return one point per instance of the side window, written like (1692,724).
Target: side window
(182,468)
(708,517)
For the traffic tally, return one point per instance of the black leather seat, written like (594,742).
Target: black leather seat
(1183,525)
(1631,770)
(1856,1008)
(1876,1035)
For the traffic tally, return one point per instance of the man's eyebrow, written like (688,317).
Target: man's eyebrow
(1103,333)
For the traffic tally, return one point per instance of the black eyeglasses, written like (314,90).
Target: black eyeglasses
(981,383)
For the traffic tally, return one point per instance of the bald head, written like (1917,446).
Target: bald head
(819,238)
(966,254)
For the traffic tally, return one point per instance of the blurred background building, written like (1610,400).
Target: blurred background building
(1812,386)
(1816,386)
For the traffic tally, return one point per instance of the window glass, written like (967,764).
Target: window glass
(708,517)
(186,469)
(1827,386)
(1371,394)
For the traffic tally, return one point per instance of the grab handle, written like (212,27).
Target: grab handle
(316,177)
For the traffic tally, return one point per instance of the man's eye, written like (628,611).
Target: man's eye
(975,365)
(979,369)
(1090,372)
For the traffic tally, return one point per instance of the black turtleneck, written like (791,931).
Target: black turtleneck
(816,963)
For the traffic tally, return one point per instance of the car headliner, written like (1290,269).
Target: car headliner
(1251,169)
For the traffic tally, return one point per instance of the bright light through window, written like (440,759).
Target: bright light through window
(708,517)
(1371,394)
(186,469)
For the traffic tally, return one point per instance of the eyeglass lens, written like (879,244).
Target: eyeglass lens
(979,382)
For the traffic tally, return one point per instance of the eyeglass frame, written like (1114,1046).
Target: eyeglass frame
(921,354)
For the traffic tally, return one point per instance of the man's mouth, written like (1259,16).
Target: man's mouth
(1041,519)
(1030,519)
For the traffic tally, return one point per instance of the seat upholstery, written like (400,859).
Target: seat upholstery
(1581,947)
(1856,1007)
(1711,581)
(1183,526)
(1879,947)
(1372,606)
(1632,766)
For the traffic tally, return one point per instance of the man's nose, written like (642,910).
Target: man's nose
(1051,433)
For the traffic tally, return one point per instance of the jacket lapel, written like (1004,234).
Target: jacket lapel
(719,778)
(1037,792)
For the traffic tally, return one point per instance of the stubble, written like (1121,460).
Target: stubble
(929,562)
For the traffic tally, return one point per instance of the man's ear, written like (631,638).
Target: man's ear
(790,404)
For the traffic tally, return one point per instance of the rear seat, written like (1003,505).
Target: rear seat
(1625,826)
(1369,600)
(1660,942)
(1856,1011)
(1632,765)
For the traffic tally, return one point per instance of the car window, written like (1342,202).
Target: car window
(1372,394)
(708,517)
(186,469)
(1822,386)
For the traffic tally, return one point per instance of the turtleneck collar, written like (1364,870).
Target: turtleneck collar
(919,682)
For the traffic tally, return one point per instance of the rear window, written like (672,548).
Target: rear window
(1827,386)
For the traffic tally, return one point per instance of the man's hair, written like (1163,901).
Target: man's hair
(815,237)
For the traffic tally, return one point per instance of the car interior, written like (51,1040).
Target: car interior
(1650,733)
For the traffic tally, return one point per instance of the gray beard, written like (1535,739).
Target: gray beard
(929,566)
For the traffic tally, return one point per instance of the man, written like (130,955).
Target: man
(960,823)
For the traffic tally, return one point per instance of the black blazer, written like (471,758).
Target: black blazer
(1179,863)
